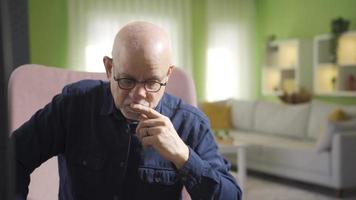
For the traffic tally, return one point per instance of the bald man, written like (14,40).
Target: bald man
(126,138)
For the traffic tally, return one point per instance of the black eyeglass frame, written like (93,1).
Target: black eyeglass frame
(135,82)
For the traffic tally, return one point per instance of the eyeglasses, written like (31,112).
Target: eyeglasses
(129,84)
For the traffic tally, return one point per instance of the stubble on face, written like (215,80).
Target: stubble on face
(138,95)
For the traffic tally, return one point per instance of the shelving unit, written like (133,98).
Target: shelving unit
(287,66)
(335,79)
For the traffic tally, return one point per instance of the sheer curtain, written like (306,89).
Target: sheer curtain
(93,25)
(230,54)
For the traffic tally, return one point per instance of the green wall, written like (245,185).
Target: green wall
(199,28)
(48,23)
(300,19)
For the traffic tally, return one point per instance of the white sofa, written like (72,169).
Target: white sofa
(283,140)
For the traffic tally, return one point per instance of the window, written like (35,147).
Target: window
(93,25)
(222,63)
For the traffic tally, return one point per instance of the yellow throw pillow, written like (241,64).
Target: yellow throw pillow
(218,114)
(338,115)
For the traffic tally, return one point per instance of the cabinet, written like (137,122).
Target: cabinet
(335,79)
(287,66)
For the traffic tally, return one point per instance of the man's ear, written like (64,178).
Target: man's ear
(108,66)
(170,70)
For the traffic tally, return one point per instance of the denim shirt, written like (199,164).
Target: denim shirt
(100,158)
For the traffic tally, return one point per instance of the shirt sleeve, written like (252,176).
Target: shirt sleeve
(37,140)
(206,174)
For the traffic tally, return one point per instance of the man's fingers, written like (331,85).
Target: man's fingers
(142,132)
(142,117)
(147,111)
(147,136)
(150,123)
(148,131)
(154,131)
(148,141)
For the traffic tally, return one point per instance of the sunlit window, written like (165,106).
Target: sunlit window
(101,37)
(93,25)
(93,57)
(222,67)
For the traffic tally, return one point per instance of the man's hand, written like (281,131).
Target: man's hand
(157,130)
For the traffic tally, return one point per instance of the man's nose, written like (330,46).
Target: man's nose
(139,91)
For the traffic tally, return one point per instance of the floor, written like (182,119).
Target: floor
(261,186)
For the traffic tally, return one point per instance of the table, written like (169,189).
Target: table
(240,150)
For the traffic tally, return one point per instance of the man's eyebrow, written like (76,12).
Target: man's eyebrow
(155,78)
(152,78)
(124,75)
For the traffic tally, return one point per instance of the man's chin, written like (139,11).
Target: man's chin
(131,115)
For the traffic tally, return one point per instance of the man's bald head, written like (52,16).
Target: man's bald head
(141,53)
(144,40)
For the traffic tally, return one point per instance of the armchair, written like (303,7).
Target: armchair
(32,86)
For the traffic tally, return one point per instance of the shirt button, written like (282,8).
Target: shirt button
(116,198)
(122,164)
(157,179)
(84,162)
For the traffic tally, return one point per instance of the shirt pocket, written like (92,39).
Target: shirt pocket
(88,174)
(92,162)
(168,177)
(87,171)
(158,184)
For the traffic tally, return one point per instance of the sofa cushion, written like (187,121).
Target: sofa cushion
(338,115)
(262,139)
(281,119)
(219,115)
(283,151)
(319,113)
(334,127)
(298,159)
(242,114)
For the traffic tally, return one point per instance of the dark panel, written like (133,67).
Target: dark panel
(18,10)
(14,51)
(6,178)
(4,144)
(14,18)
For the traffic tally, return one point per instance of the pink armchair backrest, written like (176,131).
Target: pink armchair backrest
(32,86)
(181,85)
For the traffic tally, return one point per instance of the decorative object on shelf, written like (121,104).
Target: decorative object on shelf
(351,83)
(333,83)
(334,79)
(286,65)
(338,26)
(271,38)
(270,47)
(276,89)
(301,96)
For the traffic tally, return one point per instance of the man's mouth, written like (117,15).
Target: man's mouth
(141,103)
(129,109)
